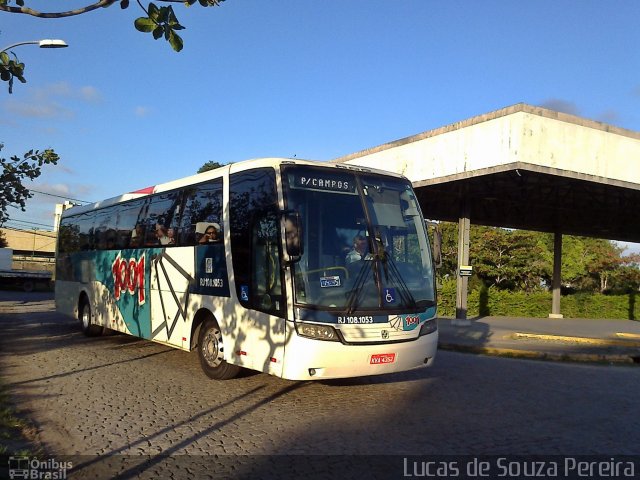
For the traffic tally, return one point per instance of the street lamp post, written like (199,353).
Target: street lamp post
(11,68)
(46,43)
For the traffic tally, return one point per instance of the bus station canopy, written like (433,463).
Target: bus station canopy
(523,167)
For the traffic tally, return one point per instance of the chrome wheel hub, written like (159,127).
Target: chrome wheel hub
(212,351)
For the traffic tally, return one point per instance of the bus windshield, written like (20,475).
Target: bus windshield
(365,246)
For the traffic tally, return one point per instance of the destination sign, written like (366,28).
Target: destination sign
(319,181)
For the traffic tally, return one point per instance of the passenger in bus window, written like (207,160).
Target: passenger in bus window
(171,233)
(211,234)
(161,235)
(137,234)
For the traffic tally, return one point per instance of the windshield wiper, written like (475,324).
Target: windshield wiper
(391,272)
(392,276)
(358,286)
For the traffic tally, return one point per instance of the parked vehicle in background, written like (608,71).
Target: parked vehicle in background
(25,279)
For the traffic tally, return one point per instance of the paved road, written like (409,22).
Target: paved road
(120,396)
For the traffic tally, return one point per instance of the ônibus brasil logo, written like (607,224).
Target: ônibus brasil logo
(128,276)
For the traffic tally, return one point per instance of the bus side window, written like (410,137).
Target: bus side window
(202,203)
(159,218)
(101,230)
(85,231)
(130,229)
(255,240)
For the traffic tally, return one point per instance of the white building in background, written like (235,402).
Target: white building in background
(522,167)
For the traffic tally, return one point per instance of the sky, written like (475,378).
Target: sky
(314,79)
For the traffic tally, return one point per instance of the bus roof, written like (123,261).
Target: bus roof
(216,173)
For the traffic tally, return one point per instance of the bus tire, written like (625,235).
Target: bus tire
(211,353)
(89,328)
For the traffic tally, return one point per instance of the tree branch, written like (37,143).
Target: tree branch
(142,7)
(69,13)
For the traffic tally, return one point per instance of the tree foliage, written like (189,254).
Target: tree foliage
(210,165)
(606,259)
(509,259)
(14,172)
(449,247)
(11,68)
(518,260)
(161,22)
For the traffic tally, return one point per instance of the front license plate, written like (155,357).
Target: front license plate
(381,358)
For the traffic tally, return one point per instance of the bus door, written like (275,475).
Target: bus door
(260,326)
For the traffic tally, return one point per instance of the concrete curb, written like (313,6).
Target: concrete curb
(625,340)
(534,355)
(631,336)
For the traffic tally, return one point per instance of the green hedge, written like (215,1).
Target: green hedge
(491,301)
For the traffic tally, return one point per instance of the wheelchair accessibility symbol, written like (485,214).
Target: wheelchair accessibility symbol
(244,293)
(390,295)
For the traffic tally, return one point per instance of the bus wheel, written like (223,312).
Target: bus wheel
(88,328)
(211,353)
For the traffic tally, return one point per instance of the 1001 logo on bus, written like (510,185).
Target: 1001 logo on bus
(128,276)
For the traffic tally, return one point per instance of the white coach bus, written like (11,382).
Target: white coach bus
(298,269)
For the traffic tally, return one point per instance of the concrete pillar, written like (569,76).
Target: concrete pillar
(557,275)
(464,226)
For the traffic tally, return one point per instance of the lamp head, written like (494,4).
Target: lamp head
(52,43)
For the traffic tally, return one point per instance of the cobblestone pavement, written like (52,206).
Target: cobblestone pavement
(119,396)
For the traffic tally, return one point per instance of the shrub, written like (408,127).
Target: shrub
(485,301)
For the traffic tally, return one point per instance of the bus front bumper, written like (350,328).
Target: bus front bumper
(310,359)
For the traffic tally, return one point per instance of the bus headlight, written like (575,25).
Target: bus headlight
(428,327)
(319,332)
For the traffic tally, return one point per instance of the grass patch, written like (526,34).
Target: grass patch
(17,436)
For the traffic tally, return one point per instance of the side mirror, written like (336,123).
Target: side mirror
(292,228)
(437,246)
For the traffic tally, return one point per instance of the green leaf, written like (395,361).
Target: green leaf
(163,16)
(175,41)
(124,4)
(171,18)
(153,12)
(20,3)
(5,75)
(144,24)
(4,58)
(157,32)
(50,156)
